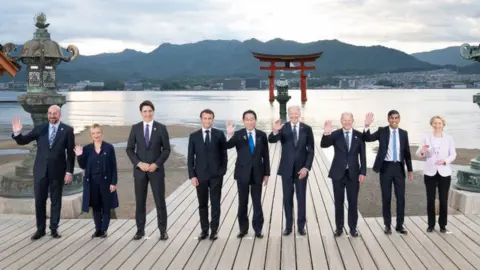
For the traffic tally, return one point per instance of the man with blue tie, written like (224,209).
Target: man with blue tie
(298,151)
(252,168)
(392,156)
(345,172)
(53,168)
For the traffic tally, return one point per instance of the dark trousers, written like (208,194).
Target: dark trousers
(392,174)
(100,202)
(299,186)
(41,188)
(157,182)
(214,185)
(255,190)
(443,184)
(353,187)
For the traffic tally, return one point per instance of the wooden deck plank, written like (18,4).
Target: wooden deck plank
(370,253)
(445,246)
(17,235)
(14,227)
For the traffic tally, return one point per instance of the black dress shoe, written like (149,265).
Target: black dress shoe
(401,230)
(103,234)
(338,232)
(213,236)
(241,234)
(302,232)
(430,229)
(287,232)
(55,234)
(354,233)
(97,233)
(203,235)
(443,229)
(139,235)
(259,235)
(163,236)
(37,235)
(387,230)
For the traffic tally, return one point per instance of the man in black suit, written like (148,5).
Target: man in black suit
(392,156)
(207,164)
(346,172)
(252,168)
(53,168)
(298,150)
(148,148)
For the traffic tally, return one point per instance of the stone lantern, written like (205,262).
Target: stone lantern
(282,96)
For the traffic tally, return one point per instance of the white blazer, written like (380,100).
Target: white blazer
(446,152)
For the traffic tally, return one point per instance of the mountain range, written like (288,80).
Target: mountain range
(233,58)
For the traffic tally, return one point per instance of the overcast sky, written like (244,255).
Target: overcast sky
(113,25)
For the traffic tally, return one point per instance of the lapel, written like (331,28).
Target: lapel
(387,136)
(290,131)
(60,132)
(344,142)
(354,142)
(153,133)
(257,142)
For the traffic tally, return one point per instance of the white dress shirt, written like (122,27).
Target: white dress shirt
(297,127)
(389,156)
(205,134)
(253,135)
(438,148)
(349,137)
(149,128)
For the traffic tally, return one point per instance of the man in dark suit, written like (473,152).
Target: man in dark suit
(392,156)
(53,168)
(207,164)
(298,150)
(148,148)
(252,168)
(345,172)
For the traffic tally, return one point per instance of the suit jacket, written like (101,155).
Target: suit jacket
(343,156)
(446,152)
(294,157)
(383,137)
(207,162)
(109,173)
(259,162)
(157,151)
(55,159)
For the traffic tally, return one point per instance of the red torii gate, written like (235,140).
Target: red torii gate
(287,59)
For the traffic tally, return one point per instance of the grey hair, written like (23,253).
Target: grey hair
(347,114)
(294,107)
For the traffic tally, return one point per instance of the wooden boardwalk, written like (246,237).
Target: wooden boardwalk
(319,249)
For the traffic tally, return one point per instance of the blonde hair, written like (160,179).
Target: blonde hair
(441,118)
(96,126)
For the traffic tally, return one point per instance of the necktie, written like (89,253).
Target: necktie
(52,135)
(394,138)
(147,134)
(295,135)
(207,137)
(251,143)
(347,139)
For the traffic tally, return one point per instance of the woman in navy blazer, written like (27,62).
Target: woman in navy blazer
(98,161)
(439,150)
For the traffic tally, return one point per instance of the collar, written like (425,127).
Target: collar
(297,124)
(209,129)
(148,123)
(391,129)
(50,125)
(350,130)
(252,131)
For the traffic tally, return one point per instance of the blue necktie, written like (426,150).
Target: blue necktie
(52,135)
(250,142)
(394,138)
(347,139)
(147,135)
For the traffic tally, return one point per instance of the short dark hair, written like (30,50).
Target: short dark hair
(249,111)
(207,111)
(147,103)
(392,112)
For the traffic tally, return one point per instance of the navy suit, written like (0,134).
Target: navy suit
(208,162)
(294,157)
(250,169)
(51,165)
(391,172)
(100,172)
(345,171)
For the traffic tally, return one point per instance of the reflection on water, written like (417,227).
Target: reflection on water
(415,106)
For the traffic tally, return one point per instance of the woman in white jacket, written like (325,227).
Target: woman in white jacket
(438,148)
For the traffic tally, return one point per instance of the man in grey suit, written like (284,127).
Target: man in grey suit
(148,148)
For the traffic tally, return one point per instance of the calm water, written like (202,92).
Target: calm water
(415,106)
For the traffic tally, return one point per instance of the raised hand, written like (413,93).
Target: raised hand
(17,125)
(277,125)
(369,119)
(327,127)
(230,128)
(78,150)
